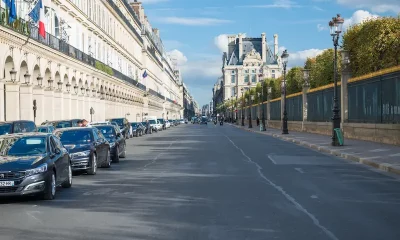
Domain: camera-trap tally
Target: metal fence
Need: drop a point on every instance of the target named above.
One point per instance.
(254, 112)
(275, 110)
(294, 108)
(320, 105)
(375, 100)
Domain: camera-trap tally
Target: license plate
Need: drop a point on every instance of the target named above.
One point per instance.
(6, 183)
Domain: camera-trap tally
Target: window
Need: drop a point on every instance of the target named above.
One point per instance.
(253, 76)
(273, 75)
(246, 76)
(233, 76)
(233, 92)
(273, 71)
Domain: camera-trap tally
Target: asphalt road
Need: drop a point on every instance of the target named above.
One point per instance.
(213, 182)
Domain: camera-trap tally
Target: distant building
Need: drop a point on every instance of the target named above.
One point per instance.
(247, 62)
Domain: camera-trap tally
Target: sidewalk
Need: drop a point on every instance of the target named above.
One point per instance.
(382, 156)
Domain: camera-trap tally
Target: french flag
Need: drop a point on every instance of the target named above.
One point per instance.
(37, 15)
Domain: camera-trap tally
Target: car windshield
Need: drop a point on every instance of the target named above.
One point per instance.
(152, 121)
(75, 137)
(134, 124)
(107, 131)
(161, 120)
(42, 129)
(5, 128)
(63, 124)
(119, 121)
(23, 146)
(144, 123)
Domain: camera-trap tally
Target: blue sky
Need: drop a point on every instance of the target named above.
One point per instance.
(195, 31)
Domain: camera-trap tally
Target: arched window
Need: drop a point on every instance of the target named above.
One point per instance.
(56, 27)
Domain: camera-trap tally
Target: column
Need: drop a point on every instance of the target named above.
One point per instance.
(58, 112)
(67, 105)
(2, 101)
(26, 102)
(38, 95)
(102, 108)
(74, 106)
(12, 101)
(306, 88)
(80, 107)
(48, 104)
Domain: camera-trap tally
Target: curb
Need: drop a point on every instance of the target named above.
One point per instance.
(386, 167)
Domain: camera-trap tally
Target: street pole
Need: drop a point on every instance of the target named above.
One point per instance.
(250, 122)
(263, 114)
(242, 108)
(336, 28)
(284, 57)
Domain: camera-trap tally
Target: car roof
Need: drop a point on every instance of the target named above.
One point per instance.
(104, 125)
(27, 134)
(74, 129)
(16, 121)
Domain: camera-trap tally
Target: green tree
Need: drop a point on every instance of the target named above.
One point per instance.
(294, 80)
(321, 68)
(373, 45)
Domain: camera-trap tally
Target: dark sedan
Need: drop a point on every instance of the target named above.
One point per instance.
(21, 126)
(87, 147)
(33, 163)
(63, 123)
(148, 128)
(116, 140)
(137, 129)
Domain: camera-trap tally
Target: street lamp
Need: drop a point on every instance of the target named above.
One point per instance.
(27, 77)
(263, 114)
(306, 77)
(76, 89)
(40, 80)
(50, 81)
(251, 98)
(91, 114)
(59, 83)
(13, 75)
(83, 90)
(68, 87)
(284, 58)
(242, 108)
(335, 29)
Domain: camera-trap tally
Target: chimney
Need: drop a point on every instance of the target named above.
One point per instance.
(264, 48)
(156, 31)
(240, 47)
(275, 45)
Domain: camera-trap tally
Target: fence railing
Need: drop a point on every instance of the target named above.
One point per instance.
(320, 105)
(275, 111)
(294, 108)
(32, 32)
(154, 93)
(375, 100)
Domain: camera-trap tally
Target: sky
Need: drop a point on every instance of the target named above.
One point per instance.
(195, 32)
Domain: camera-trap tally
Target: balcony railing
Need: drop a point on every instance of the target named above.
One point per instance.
(32, 32)
(153, 53)
(154, 93)
(112, 4)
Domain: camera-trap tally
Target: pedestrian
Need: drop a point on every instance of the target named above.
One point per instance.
(258, 121)
(85, 123)
(79, 123)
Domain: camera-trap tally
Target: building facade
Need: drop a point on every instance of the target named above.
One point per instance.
(247, 62)
(218, 93)
(96, 54)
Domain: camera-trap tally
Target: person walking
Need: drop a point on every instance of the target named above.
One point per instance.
(85, 123)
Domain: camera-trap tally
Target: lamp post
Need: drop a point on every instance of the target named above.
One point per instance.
(27, 77)
(34, 110)
(242, 108)
(39, 80)
(263, 114)
(91, 114)
(284, 58)
(251, 98)
(335, 26)
(13, 75)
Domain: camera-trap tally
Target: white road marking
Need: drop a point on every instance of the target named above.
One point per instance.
(379, 150)
(156, 158)
(299, 170)
(371, 157)
(286, 195)
(395, 155)
(314, 196)
(272, 160)
(30, 214)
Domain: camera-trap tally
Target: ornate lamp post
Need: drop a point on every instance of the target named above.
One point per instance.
(284, 58)
(39, 80)
(13, 75)
(68, 87)
(251, 98)
(91, 114)
(242, 108)
(335, 30)
(27, 77)
(263, 113)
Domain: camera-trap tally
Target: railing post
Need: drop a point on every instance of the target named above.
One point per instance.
(306, 88)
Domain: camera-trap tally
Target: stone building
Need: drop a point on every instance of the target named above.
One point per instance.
(96, 54)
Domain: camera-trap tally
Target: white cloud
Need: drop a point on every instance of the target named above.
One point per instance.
(221, 42)
(299, 58)
(374, 5)
(177, 57)
(358, 17)
(317, 8)
(320, 27)
(173, 44)
(287, 4)
(194, 21)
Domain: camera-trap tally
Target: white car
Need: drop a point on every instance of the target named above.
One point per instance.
(182, 121)
(167, 124)
(100, 123)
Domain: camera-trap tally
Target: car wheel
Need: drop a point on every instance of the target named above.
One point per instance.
(93, 167)
(116, 157)
(108, 160)
(50, 189)
(68, 182)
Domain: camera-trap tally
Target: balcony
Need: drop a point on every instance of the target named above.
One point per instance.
(154, 93)
(31, 31)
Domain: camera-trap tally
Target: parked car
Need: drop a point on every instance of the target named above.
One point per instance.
(167, 124)
(101, 123)
(123, 124)
(29, 163)
(20, 126)
(162, 122)
(186, 121)
(182, 121)
(137, 130)
(63, 123)
(116, 140)
(148, 130)
(46, 129)
(142, 127)
(87, 147)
